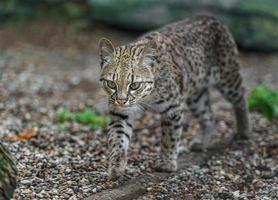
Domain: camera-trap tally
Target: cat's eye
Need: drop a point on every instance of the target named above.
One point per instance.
(135, 86)
(111, 84)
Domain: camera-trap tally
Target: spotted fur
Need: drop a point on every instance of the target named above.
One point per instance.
(170, 71)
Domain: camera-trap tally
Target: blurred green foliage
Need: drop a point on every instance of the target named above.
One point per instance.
(73, 11)
(254, 23)
(264, 101)
(87, 117)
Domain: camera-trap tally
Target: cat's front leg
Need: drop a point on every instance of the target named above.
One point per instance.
(171, 127)
(119, 135)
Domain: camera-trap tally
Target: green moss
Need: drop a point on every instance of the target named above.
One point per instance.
(264, 101)
(86, 117)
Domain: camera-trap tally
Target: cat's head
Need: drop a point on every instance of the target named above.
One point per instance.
(127, 72)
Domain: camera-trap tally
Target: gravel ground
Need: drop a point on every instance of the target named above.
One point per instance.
(38, 75)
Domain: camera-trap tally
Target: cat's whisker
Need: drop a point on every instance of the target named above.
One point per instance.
(141, 107)
(144, 105)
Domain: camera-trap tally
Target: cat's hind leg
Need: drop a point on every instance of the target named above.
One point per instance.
(231, 88)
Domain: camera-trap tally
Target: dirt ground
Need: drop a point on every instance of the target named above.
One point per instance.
(45, 65)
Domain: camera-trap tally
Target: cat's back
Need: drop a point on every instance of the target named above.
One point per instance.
(190, 25)
(201, 31)
(204, 32)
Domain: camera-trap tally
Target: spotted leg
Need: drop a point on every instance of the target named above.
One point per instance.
(119, 134)
(172, 126)
(199, 104)
(231, 88)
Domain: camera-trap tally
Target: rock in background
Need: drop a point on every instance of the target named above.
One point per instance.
(254, 23)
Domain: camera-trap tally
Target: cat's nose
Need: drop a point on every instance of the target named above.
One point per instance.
(120, 102)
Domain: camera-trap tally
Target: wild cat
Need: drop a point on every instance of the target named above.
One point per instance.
(170, 71)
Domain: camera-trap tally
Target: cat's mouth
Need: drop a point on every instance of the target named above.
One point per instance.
(122, 106)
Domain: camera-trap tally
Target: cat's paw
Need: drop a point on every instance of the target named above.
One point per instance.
(203, 143)
(166, 165)
(115, 172)
(243, 134)
(197, 144)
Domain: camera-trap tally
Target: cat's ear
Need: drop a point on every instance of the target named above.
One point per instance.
(106, 50)
(149, 53)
